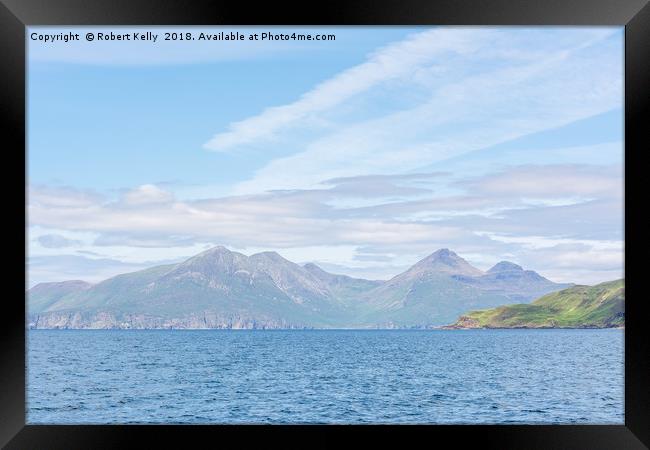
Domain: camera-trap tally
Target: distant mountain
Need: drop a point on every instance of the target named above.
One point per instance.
(600, 306)
(215, 289)
(434, 290)
(220, 288)
(444, 261)
(512, 281)
(343, 287)
(44, 295)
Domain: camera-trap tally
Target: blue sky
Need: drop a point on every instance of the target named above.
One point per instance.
(362, 155)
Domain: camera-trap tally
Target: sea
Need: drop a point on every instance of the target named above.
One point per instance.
(550, 376)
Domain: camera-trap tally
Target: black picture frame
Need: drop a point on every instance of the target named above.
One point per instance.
(16, 15)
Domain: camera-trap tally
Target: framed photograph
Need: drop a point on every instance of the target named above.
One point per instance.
(367, 217)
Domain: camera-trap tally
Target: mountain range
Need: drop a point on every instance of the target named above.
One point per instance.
(219, 288)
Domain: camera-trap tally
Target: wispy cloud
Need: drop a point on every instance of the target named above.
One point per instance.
(147, 194)
(466, 108)
(394, 61)
(553, 180)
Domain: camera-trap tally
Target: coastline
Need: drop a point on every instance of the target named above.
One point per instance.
(432, 328)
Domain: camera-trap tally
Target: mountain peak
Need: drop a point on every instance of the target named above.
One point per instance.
(213, 251)
(505, 266)
(443, 253)
(447, 262)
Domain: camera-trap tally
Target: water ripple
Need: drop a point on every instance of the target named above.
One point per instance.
(223, 376)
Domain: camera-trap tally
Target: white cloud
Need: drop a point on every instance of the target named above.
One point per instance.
(545, 242)
(459, 113)
(147, 194)
(148, 224)
(553, 181)
(394, 61)
(263, 220)
(63, 197)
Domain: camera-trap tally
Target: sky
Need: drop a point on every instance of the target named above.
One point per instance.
(362, 155)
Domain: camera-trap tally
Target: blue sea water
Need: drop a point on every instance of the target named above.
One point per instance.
(325, 376)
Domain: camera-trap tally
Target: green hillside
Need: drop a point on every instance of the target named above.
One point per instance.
(600, 306)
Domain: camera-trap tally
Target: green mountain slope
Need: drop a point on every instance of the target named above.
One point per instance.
(441, 286)
(44, 295)
(600, 306)
(428, 300)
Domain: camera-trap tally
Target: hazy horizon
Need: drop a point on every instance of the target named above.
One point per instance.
(332, 268)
